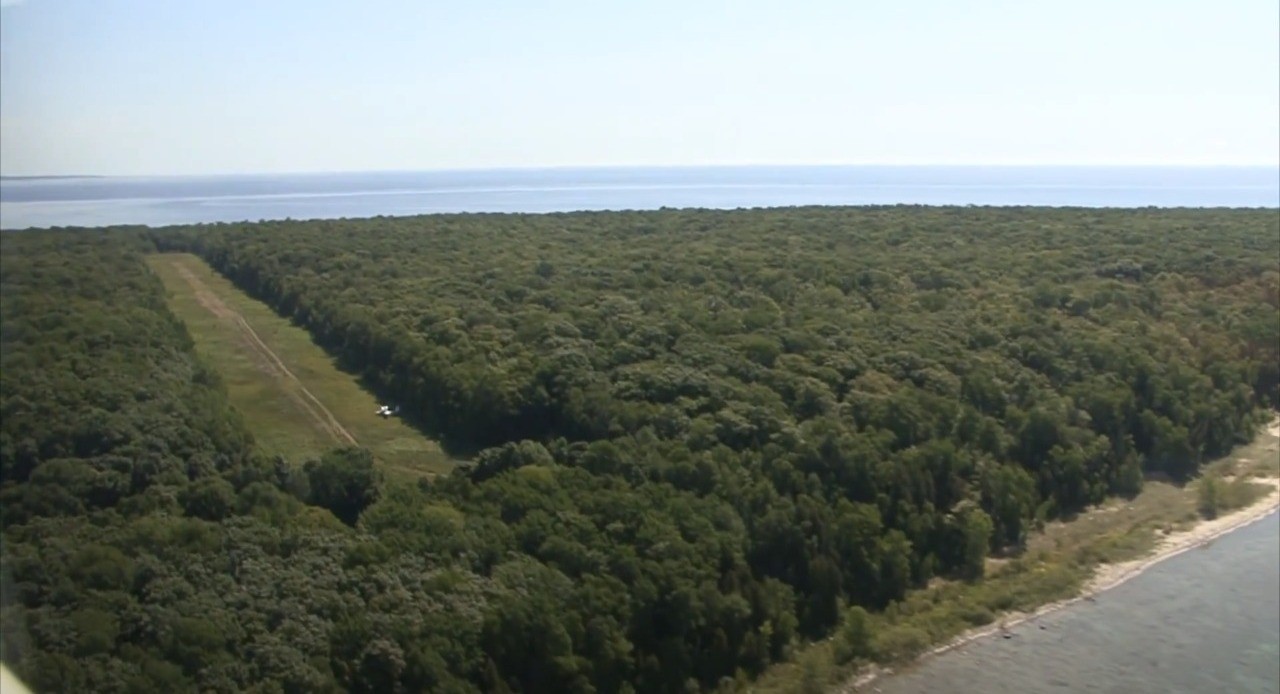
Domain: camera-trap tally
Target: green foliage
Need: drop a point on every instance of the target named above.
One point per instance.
(1209, 497)
(1215, 496)
(343, 481)
(698, 438)
(855, 638)
(976, 528)
(901, 643)
(210, 498)
(1009, 491)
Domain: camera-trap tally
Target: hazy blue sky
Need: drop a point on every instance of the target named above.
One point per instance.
(177, 86)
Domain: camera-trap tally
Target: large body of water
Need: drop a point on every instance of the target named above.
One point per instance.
(1205, 621)
(155, 201)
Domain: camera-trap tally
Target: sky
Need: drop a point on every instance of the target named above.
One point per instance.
(152, 87)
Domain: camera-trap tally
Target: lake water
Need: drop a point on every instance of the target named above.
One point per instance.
(1205, 621)
(192, 199)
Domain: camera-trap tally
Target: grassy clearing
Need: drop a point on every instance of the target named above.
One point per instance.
(1055, 566)
(294, 398)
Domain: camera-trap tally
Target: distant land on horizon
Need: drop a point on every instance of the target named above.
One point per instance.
(52, 177)
(43, 202)
(643, 167)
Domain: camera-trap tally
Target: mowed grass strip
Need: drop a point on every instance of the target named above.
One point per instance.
(294, 398)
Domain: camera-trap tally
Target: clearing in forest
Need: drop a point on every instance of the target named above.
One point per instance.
(294, 398)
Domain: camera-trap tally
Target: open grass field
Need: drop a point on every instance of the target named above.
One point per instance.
(293, 396)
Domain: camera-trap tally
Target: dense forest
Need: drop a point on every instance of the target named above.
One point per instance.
(699, 437)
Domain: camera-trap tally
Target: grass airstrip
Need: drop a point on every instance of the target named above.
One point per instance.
(292, 395)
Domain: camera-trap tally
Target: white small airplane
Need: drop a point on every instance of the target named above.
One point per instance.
(387, 411)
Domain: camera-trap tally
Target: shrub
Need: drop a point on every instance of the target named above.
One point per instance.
(855, 637)
(900, 643)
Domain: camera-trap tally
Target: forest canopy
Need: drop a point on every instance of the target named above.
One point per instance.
(698, 436)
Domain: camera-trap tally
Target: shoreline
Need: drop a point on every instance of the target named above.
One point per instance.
(1104, 577)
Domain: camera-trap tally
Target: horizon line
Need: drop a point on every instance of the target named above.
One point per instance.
(598, 167)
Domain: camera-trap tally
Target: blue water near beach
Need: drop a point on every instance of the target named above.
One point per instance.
(156, 201)
(1205, 621)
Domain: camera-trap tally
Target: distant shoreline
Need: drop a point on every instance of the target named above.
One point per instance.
(621, 168)
(41, 202)
(50, 178)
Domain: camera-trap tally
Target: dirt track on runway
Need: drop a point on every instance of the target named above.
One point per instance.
(263, 357)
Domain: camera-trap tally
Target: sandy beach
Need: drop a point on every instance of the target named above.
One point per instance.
(1108, 576)
(1111, 575)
